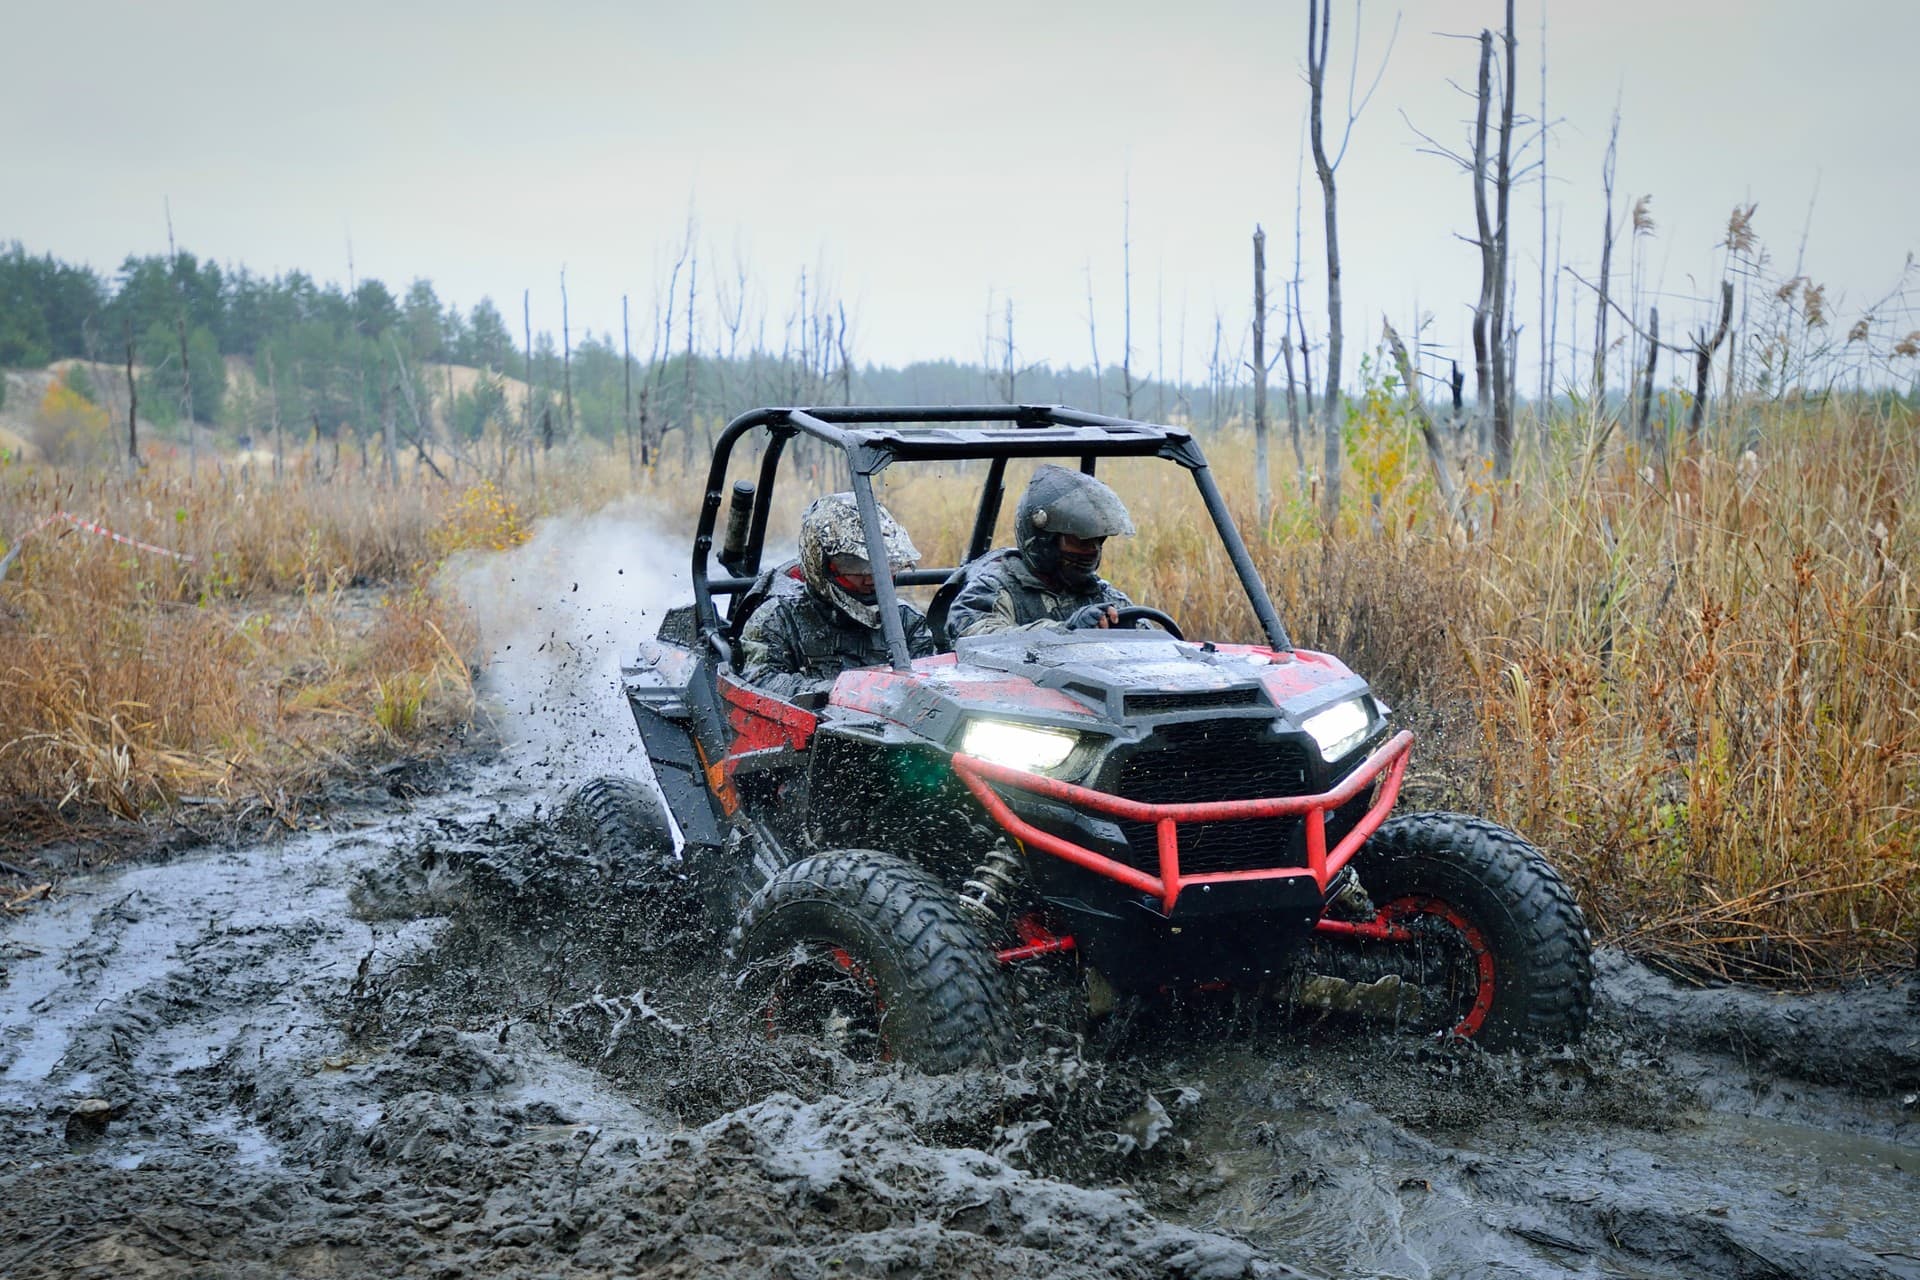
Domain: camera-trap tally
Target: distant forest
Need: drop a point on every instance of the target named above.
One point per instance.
(331, 358)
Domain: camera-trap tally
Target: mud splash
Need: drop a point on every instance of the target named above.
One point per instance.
(388, 1051)
(291, 1092)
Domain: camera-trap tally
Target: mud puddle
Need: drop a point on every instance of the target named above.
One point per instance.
(371, 1052)
(289, 1087)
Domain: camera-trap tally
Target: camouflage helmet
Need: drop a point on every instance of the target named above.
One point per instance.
(830, 529)
(1059, 501)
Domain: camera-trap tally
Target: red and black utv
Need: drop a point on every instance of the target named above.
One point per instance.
(1146, 812)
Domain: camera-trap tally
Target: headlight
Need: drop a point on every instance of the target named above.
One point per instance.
(1017, 746)
(1340, 728)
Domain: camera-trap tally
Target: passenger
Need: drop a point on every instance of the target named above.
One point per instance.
(799, 640)
(1050, 581)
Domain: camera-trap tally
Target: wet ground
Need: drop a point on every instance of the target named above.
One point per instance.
(382, 1049)
(392, 1046)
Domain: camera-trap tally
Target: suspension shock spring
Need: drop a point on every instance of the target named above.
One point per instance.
(985, 893)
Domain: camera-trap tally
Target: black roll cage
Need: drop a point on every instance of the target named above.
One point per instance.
(874, 437)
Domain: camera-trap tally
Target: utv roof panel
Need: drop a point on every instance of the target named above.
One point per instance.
(875, 436)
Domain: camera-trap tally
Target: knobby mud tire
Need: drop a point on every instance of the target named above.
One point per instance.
(622, 822)
(1504, 886)
(943, 1001)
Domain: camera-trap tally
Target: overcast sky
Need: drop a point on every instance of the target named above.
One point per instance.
(930, 157)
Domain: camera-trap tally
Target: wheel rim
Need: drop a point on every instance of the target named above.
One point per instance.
(1452, 957)
(823, 994)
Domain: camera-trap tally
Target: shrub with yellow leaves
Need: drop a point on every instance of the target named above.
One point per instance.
(484, 519)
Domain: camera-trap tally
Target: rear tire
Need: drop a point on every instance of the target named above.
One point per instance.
(1482, 891)
(865, 947)
(622, 823)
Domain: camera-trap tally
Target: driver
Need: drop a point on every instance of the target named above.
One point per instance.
(802, 637)
(1051, 580)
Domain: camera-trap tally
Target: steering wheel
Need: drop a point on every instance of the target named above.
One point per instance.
(1134, 614)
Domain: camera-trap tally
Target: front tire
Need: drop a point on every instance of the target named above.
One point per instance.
(1503, 946)
(866, 950)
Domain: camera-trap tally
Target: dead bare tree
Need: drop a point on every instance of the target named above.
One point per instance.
(1306, 361)
(1182, 401)
(1294, 309)
(1319, 31)
(1489, 166)
(566, 352)
(626, 375)
(1262, 484)
(526, 320)
(1503, 191)
(1483, 307)
(273, 410)
(1093, 341)
(1294, 318)
(846, 358)
(1553, 336)
(651, 436)
(731, 305)
(693, 291)
(1293, 406)
(390, 455)
(1704, 348)
(404, 384)
(1126, 282)
(1429, 433)
(1643, 413)
(1011, 370)
(1160, 347)
(1606, 266)
(133, 406)
(1546, 363)
(1216, 378)
(186, 366)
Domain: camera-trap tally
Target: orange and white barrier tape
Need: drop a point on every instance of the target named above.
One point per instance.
(91, 527)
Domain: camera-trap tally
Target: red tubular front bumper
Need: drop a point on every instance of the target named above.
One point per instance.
(1322, 864)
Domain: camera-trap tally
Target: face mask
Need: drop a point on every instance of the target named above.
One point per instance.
(846, 584)
(1079, 567)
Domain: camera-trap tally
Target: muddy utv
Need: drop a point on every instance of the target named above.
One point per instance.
(1146, 813)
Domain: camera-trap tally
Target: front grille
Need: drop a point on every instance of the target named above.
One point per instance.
(1209, 760)
(1153, 704)
(1201, 760)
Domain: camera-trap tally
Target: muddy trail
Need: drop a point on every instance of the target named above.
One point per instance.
(397, 1049)
(421, 1041)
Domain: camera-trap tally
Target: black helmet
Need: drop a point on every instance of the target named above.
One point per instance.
(1057, 501)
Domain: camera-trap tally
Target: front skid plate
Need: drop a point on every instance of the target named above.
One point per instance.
(1139, 949)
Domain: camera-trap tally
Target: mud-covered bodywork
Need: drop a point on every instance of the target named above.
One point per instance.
(1176, 813)
(1156, 724)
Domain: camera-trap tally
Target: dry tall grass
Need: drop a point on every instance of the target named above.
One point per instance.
(1695, 683)
(299, 636)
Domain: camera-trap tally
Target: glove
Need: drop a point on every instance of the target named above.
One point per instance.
(1087, 617)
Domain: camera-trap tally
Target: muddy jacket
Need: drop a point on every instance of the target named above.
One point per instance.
(1002, 594)
(795, 643)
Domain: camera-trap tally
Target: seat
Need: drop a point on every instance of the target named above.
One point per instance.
(942, 602)
(765, 584)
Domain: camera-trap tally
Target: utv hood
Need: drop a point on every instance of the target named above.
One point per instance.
(1101, 681)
